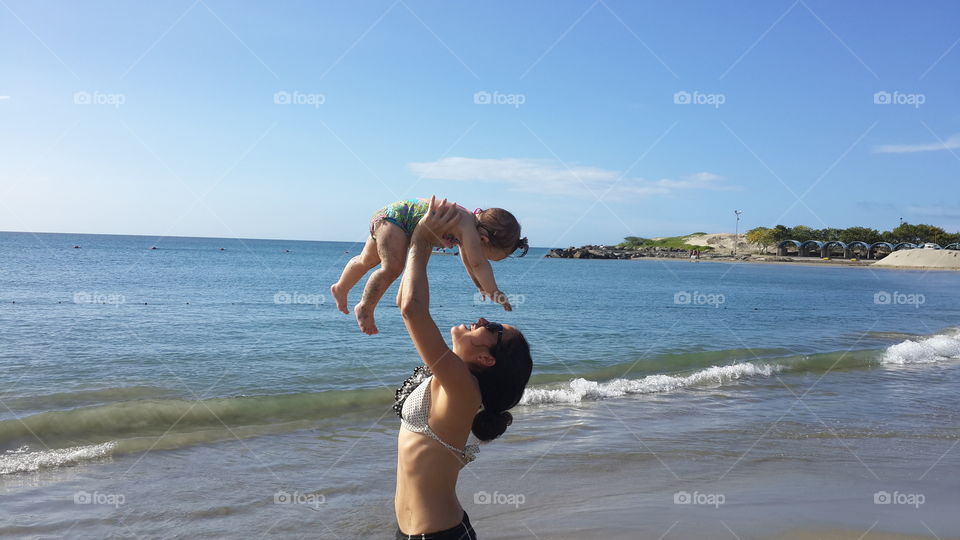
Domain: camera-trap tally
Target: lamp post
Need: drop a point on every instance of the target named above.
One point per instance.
(736, 235)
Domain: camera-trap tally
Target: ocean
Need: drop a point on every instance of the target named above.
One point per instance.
(210, 388)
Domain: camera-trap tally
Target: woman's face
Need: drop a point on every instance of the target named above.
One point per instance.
(472, 342)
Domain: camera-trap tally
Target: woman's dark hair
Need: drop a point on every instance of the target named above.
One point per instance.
(503, 230)
(501, 386)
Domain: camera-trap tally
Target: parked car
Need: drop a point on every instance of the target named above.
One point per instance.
(930, 246)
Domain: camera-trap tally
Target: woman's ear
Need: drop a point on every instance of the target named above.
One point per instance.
(486, 359)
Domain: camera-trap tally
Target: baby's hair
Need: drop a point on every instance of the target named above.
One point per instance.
(503, 230)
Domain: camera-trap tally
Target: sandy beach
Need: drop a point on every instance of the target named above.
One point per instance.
(915, 259)
(933, 259)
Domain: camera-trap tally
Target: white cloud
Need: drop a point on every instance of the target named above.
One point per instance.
(952, 143)
(551, 177)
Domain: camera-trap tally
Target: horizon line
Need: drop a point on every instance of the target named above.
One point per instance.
(206, 237)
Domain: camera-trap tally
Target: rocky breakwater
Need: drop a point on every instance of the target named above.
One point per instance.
(614, 252)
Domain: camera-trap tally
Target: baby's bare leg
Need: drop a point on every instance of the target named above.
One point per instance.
(353, 271)
(392, 245)
(400, 290)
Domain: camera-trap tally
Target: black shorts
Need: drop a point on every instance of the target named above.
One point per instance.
(461, 531)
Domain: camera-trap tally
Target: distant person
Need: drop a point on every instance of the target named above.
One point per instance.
(482, 235)
(458, 392)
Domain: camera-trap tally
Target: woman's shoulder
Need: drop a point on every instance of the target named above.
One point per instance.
(464, 395)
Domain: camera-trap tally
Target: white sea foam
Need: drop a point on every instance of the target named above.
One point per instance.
(580, 389)
(924, 351)
(25, 460)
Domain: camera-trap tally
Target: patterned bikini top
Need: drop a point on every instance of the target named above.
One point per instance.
(412, 405)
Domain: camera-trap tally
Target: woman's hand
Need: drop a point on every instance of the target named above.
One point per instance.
(441, 218)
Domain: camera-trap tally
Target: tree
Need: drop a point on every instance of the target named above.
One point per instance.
(829, 234)
(861, 234)
(633, 242)
(762, 237)
(802, 233)
(908, 232)
(781, 233)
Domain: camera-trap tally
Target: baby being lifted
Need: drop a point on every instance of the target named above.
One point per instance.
(482, 236)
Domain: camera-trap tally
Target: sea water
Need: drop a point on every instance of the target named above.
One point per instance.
(194, 388)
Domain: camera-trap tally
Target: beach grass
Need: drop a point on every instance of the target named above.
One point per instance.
(670, 242)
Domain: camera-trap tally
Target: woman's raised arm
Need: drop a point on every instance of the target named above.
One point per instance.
(415, 305)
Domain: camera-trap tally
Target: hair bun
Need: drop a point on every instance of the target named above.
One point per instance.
(524, 245)
(488, 425)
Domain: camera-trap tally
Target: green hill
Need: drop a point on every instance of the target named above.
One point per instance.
(675, 242)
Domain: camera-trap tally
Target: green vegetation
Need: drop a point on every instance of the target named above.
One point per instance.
(764, 237)
(675, 242)
(761, 237)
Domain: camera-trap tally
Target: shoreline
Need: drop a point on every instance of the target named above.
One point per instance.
(794, 262)
(774, 260)
(907, 259)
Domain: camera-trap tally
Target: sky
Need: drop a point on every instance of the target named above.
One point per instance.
(589, 120)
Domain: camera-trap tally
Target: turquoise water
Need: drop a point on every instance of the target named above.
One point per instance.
(112, 349)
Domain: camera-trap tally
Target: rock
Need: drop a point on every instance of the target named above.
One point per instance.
(615, 252)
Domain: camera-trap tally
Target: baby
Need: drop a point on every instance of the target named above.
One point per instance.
(482, 236)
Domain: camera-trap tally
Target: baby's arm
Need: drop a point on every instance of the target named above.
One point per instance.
(476, 263)
(465, 259)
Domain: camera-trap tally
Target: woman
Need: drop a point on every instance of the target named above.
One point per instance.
(468, 388)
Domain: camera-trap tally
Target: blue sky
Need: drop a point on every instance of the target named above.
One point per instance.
(589, 120)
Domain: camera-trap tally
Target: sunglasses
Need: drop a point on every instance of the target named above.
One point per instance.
(495, 327)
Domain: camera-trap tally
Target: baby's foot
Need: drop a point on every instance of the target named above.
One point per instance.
(341, 297)
(365, 319)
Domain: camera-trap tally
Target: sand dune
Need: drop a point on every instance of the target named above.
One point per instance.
(922, 258)
(721, 242)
